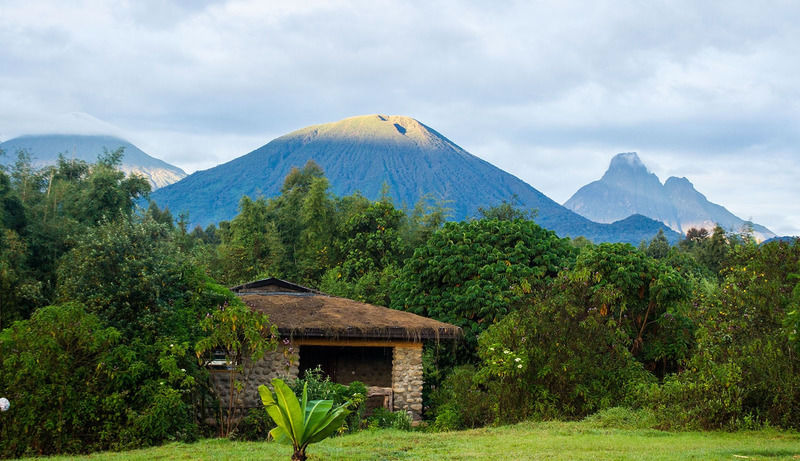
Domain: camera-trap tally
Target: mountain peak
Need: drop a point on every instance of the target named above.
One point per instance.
(627, 160)
(628, 187)
(366, 152)
(678, 183)
(45, 148)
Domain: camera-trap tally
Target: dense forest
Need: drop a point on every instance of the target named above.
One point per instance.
(109, 306)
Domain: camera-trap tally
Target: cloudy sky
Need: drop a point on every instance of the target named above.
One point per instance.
(548, 91)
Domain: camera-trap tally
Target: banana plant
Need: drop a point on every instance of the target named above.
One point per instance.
(300, 422)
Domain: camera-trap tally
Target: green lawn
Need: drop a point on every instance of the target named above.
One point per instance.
(550, 440)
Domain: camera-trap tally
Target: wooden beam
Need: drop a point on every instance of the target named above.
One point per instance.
(355, 343)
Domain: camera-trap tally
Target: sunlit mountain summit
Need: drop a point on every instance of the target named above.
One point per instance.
(362, 154)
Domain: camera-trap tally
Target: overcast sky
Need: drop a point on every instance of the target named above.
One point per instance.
(548, 91)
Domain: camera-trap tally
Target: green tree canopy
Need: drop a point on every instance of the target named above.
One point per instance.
(466, 272)
(648, 299)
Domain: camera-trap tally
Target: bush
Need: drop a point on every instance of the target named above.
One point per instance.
(557, 357)
(255, 426)
(746, 372)
(705, 398)
(384, 419)
(320, 387)
(459, 402)
(54, 371)
(167, 417)
(447, 419)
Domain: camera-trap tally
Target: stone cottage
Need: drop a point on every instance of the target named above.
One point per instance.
(348, 340)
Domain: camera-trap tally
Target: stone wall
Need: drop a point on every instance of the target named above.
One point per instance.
(280, 363)
(407, 380)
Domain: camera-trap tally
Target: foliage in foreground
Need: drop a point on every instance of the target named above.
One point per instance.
(320, 387)
(302, 422)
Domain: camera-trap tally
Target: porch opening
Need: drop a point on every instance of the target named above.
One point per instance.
(345, 364)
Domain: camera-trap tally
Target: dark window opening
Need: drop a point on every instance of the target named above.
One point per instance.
(370, 365)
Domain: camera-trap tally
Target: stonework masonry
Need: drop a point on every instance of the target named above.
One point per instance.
(284, 362)
(407, 380)
(281, 363)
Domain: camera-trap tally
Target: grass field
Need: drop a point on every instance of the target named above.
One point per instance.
(549, 440)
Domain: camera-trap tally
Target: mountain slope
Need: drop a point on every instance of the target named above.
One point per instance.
(627, 188)
(361, 154)
(44, 150)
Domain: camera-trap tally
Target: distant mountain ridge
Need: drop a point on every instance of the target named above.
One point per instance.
(628, 187)
(44, 150)
(361, 154)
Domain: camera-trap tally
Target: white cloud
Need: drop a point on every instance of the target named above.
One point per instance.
(546, 90)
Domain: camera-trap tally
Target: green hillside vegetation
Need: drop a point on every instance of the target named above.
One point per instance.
(108, 314)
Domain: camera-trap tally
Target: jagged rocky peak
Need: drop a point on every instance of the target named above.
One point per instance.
(674, 182)
(628, 187)
(627, 160)
(627, 167)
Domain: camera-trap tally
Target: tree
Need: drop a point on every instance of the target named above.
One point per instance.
(694, 239)
(371, 249)
(714, 250)
(466, 272)
(287, 212)
(251, 246)
(60, 202)
(127, 272)
(659, 246)
(648, 299)
(243, 336)
(506, 211)
(313, 255)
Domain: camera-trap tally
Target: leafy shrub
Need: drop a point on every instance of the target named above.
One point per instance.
(320, 387)
(447, 419)
(167, 417)
(54, 371)
(746, 372)
(255, 426)
(384, 419)
(459, 402)
(558, 356)
(710, 397)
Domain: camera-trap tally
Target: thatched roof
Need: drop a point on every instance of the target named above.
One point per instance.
(311, 314)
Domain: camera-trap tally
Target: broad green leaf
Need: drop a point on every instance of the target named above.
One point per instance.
(279, 434)
(273, 410)
(287, 401)
(316, 412)
(304, 402)
(330, 424)
(266, 395)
